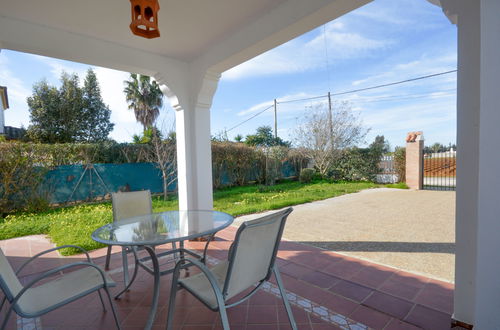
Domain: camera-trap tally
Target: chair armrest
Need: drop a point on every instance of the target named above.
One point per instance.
(50, 250)
(57, 270)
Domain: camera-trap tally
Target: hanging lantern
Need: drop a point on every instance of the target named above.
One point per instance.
(145, 18)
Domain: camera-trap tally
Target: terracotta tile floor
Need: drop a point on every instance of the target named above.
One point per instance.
(327, 291)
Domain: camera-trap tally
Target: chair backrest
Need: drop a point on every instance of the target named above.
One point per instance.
(8, 280)
(131, 204)
(254, 251)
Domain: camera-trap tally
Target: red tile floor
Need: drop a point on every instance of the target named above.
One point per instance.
(327, 291)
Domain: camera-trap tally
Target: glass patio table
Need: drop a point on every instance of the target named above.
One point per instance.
(155, 229)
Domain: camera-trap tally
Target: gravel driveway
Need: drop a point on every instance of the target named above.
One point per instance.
(406, 229)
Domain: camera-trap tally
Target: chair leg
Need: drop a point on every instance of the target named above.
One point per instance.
(223, 317)
(112, 306)
(174, 247)
(3, 302)
(108, 256)
(284, 297)
(7, 315)
(171, 301)
(102, 301)
(125, 266)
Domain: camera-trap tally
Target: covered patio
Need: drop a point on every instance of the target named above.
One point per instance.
(327, 291)
(199, 41)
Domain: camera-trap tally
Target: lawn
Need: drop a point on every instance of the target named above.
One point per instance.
(74, 224)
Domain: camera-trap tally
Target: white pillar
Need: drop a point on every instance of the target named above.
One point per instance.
(477, 280)
(487, 311)
(467, 163)
(194, 153)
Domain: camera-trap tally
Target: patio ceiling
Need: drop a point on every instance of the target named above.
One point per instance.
(187, 27)
(208, 33)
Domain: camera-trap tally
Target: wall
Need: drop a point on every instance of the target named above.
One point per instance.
(2, 120)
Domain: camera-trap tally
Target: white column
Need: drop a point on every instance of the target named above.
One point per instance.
(487, 311)
(477, 280)
(194, 153)
(467, 162)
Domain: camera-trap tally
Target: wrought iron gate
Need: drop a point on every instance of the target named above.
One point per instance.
(440, 170)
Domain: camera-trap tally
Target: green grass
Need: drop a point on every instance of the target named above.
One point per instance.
(74, 224)
(400, 185)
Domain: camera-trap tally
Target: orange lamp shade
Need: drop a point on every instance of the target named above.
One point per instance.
(145, 18)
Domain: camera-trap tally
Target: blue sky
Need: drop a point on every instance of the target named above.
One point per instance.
(382, 42)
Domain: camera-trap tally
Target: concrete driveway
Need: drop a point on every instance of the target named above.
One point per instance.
(410, 230)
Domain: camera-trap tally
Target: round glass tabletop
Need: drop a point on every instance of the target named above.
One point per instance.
(161, 228)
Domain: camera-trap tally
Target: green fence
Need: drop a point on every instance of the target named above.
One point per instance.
(71, 183)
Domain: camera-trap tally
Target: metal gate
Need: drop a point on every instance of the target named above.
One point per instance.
(440, 170)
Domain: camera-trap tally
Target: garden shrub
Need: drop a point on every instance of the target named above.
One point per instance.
(20, 178)
(400, 163)
(235, 163)
(306, 175)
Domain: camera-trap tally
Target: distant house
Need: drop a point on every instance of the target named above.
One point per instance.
(4, 105)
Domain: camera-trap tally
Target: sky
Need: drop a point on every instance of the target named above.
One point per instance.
(383, 42)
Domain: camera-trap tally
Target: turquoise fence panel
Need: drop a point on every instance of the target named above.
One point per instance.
(71, 183)
(288, 170)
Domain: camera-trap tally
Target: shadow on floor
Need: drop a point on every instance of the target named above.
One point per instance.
(371, 246)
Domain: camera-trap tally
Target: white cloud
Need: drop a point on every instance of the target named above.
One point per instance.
(283, 105)
(17, 115)
(16, 88)
(111, 83)
(416, 68)
(299, 56)
(60, 66)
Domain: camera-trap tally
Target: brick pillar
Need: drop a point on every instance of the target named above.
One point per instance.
(414, 160)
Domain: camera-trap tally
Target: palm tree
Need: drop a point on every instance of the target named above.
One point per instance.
(144, 96)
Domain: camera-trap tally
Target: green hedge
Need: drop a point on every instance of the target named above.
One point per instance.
(23, 166)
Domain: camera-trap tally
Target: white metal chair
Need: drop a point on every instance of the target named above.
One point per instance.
(251, 261)
(127, 205)
(34, 300)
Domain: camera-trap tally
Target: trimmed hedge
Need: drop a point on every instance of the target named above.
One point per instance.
(23, 166)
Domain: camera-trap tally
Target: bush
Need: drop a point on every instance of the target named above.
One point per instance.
(306, 175)
(21, 177)
(400, 163)
(234, 163)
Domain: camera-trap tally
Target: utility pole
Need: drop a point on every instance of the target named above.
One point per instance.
(330, 118)
(275, 120)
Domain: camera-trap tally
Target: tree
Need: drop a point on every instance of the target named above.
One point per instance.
(323, 140)
(146, 137)
(45, 114)
(380, 145)
(97, 114)
(163, 152)
(238, 138)
(144, 96)
(70, 113)
(264, 138)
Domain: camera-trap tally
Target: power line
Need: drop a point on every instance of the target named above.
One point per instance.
(304, 99)
(258, 113)
(372, 87)
(344, 93)
(394, 83)
(435, 94)
(326, 55)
